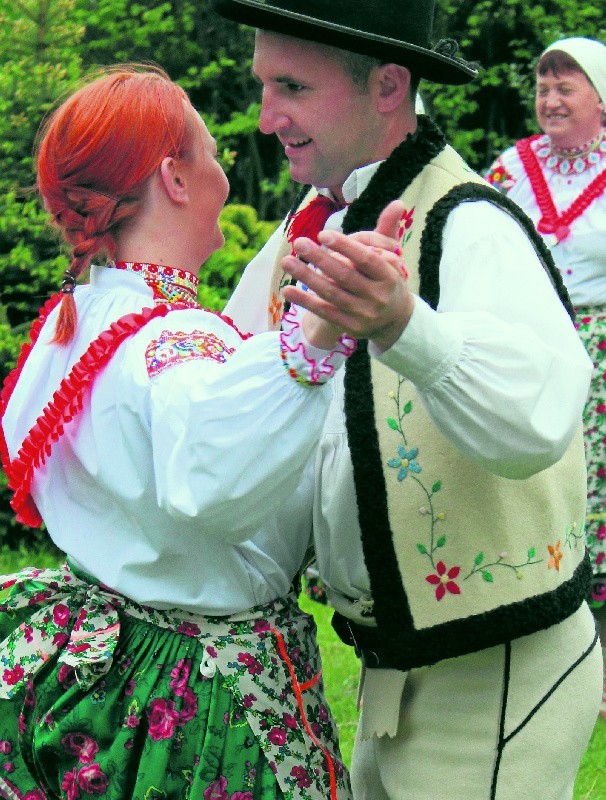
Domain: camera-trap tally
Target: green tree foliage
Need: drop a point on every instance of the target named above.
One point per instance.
(211, 58)
(505, 37)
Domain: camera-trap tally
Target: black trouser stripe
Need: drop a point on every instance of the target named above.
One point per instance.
(503, 740)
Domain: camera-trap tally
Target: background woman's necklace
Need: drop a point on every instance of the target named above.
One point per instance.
(574, 159)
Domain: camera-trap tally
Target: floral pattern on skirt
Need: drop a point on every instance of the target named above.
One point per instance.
(100, 696)
(591, 325)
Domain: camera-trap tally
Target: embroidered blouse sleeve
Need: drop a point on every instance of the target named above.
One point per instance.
(231, 431)
(499, 366)
(502, 173)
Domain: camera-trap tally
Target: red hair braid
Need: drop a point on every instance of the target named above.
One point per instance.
(95, 154)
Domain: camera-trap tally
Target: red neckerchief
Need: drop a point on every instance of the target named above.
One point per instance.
(551, 221)
(310, 220)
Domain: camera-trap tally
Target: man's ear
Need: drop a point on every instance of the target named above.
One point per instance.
(392, 83)
(173, 181)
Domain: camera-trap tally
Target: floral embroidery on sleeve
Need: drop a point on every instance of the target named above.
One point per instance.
(499, 177)
(176, 347)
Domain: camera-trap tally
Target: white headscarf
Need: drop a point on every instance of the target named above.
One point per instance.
(590, 55)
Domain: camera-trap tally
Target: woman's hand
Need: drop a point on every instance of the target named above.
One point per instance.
(360, 288)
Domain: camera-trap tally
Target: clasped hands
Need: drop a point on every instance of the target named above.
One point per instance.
(359, 287)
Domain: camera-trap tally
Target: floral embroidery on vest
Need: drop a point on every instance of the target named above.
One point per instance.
(176, 347)
(408, 463)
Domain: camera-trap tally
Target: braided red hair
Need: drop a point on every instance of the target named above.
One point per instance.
(96, 152)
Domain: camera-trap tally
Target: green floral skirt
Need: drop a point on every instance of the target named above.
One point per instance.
(106, 698)
(591, 325)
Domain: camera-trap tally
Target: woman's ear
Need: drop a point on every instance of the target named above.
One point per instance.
(173, 181)
(392, 83)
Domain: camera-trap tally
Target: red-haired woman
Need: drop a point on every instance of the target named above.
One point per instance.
(169, 457)
(559, 179)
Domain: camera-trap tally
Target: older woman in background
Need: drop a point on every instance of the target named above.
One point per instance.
(559, 179)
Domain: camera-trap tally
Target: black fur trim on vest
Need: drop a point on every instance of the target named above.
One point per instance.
(431, 240)
(395, 642)
(395, 175)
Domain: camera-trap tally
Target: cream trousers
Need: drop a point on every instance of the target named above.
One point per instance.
(508, 723)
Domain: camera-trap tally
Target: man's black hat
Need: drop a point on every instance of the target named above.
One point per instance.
(394, 31)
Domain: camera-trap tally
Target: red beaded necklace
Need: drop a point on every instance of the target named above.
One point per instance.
(551, 221)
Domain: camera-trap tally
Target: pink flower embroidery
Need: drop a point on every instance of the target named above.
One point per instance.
(162, 718)
(302, 777)
(601, 532)
(242, 796)
(66, 676)
(5, 747)
(254, 666)
(289, 721)
(260, 626)
(248, 700)
(180, 676)
(189, 707)
(92, 779)
(61, 615)
(81, 746)
(70, 785)
(277, 736)
(59, 639)
(444, 580)
(217, 790)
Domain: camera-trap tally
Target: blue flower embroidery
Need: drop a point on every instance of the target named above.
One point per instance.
(405, 462)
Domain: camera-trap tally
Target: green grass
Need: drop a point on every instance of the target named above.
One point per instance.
(341, 682)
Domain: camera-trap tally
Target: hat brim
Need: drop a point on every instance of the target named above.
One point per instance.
(426, 63)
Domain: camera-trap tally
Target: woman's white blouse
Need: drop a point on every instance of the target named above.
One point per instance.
(581, 257)
(184, 481)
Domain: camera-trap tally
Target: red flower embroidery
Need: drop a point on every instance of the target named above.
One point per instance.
(13, 676)
(254, 666)
(302, 777)
(188, 629)
(444, 580)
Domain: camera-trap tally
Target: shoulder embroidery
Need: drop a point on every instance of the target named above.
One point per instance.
(177, 347)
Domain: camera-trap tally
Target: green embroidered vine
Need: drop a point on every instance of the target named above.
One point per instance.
(409, 468)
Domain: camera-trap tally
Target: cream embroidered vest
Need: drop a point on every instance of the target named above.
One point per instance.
(459, 558)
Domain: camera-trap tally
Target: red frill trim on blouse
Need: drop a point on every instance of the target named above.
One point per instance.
(551, 221)
(230, 322)
(66, 403)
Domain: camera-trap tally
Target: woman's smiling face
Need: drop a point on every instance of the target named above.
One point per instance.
(568, 108)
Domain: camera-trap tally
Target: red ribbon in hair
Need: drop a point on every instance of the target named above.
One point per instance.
(310, 220)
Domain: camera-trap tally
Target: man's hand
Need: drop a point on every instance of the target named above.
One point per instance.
(361, 286)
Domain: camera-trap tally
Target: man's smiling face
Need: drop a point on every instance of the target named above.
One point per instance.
(327, 124)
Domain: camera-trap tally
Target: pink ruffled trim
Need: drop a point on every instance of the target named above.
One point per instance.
(66, 403)
(319, 371)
